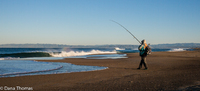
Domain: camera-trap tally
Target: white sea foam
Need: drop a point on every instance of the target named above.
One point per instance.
(117, 48)
(80, 53)
(135, 48)
(177, 49)
(9, 58)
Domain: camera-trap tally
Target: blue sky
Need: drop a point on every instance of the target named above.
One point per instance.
(87, 22)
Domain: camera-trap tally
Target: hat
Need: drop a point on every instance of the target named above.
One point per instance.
(143, 41)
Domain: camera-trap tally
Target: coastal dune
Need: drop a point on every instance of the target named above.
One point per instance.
(167, 71)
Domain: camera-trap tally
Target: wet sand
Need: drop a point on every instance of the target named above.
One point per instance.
(167, 71)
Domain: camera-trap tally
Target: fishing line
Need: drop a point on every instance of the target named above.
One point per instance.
(126, 30)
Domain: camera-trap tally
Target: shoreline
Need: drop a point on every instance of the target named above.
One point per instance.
(167, 71)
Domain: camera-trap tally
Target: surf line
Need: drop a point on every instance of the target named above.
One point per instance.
(126, 30)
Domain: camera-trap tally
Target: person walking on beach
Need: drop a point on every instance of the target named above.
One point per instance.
(143, 54)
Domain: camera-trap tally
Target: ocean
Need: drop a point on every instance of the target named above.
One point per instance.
(21, 61)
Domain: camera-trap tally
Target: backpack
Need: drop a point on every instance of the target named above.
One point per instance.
(145, 51)
(148, 50)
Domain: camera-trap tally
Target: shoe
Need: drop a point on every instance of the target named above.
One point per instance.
(146, 69)
(138, 68)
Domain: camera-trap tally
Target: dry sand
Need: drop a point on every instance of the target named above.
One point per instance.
(167, 71)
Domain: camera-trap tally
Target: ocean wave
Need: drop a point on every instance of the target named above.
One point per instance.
(52, 54)
(76, 52)
(27, 50)
(177, 49)
(25, 54)
(117, 48)
(80, 53)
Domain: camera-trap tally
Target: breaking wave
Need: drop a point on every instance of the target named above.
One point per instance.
(177, 49)
(52, 54)
(117, 48)
(80, 53)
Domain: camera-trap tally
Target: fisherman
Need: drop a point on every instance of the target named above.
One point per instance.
(143, 48)
(143, 54)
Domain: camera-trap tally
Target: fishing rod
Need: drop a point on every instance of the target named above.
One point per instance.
(126, 30)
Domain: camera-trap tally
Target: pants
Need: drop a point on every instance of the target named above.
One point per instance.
(143, 61)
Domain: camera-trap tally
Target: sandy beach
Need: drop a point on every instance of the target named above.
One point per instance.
(167, 71)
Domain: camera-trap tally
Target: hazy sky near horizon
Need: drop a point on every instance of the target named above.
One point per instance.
(87, 22)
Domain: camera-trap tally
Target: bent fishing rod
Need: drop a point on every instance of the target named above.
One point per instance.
(126, 30)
